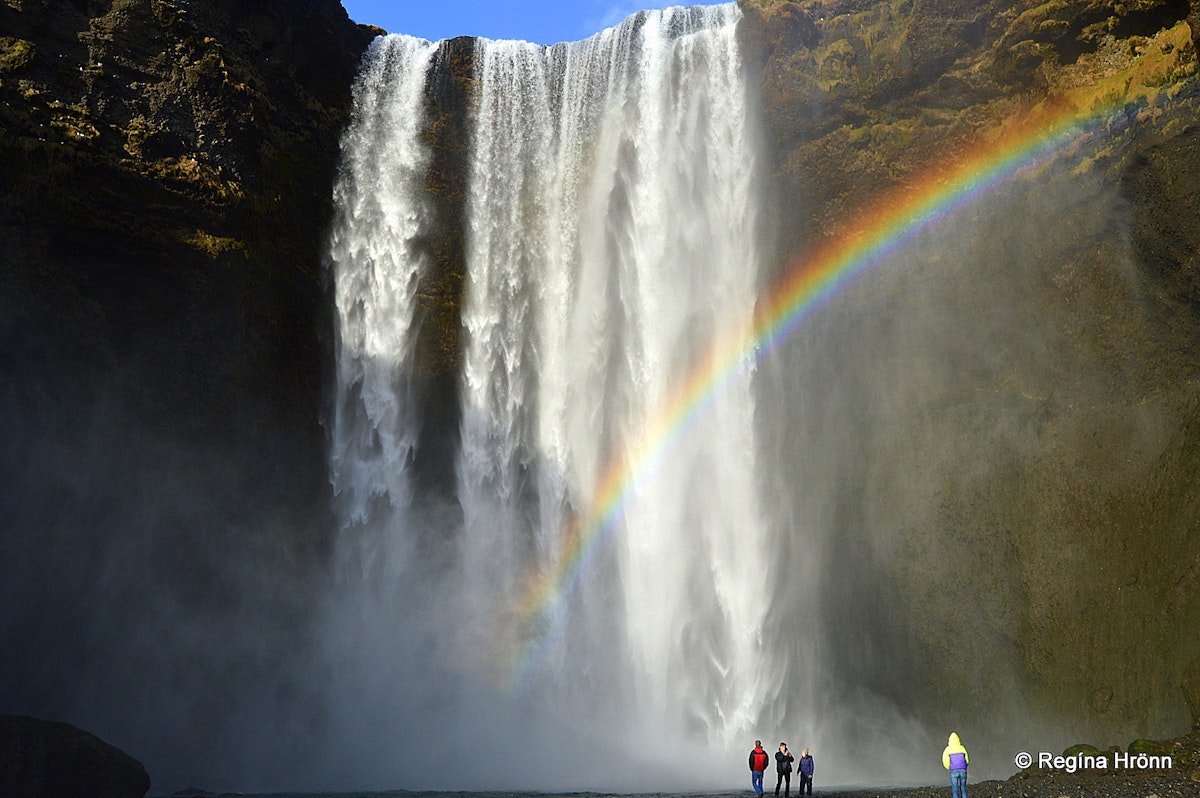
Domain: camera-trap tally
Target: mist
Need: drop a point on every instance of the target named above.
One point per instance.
(905, 418)
(154, 589)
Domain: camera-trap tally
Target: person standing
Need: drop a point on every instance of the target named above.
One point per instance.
(783, 770)
(955, 759)
(806, 772)
(758, 763)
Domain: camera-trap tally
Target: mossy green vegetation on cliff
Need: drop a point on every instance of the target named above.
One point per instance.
(877, 91)
(194, 142)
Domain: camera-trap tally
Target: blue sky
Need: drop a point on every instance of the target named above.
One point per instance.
(540, 21)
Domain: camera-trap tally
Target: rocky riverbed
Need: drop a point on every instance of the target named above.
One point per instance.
(1059, 785)
(1085, 772)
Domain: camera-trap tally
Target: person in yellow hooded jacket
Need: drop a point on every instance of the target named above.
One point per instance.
(955, 759)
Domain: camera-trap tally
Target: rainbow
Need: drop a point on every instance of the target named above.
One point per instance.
(880, 229)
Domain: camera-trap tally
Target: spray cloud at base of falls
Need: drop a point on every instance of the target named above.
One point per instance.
(612, 230)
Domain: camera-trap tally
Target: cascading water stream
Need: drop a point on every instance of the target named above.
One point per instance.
(376, 268)
(612, 237)
(612, 229)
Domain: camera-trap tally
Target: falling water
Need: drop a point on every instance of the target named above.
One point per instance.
(611, 236)
(382, 214)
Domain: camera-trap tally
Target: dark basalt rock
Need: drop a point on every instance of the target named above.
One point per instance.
(45, 759)
(165, 185)
(166, 173)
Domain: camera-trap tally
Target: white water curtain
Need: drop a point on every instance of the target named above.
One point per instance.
(611, 231)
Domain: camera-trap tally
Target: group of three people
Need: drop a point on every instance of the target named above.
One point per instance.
(783, 767)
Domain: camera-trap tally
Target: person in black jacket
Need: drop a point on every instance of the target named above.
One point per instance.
(783, 767)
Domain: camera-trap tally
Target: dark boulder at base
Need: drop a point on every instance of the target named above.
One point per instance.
(45, 759)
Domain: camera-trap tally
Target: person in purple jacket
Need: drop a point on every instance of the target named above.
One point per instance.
(806, 772)
(955, 759)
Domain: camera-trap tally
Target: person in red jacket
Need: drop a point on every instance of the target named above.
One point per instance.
(758, 763)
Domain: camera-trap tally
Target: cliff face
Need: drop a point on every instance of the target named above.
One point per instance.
(892, 87)
(1010, 421)
(178, 157)
(165, 185)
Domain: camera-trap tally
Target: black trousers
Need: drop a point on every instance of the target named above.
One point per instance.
(805, 782)
(785, 779)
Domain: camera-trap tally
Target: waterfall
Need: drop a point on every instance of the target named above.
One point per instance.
(376, 268)
(611, 238)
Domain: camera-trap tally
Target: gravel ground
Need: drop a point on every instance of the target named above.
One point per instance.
(1125, 784)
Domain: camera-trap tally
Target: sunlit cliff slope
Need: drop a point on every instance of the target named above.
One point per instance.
(1014, 408)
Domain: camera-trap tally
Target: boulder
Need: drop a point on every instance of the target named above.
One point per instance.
(1082, 749)
(46, 759)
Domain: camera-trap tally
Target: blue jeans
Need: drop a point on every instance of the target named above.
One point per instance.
(756, 780)
(958, 784)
